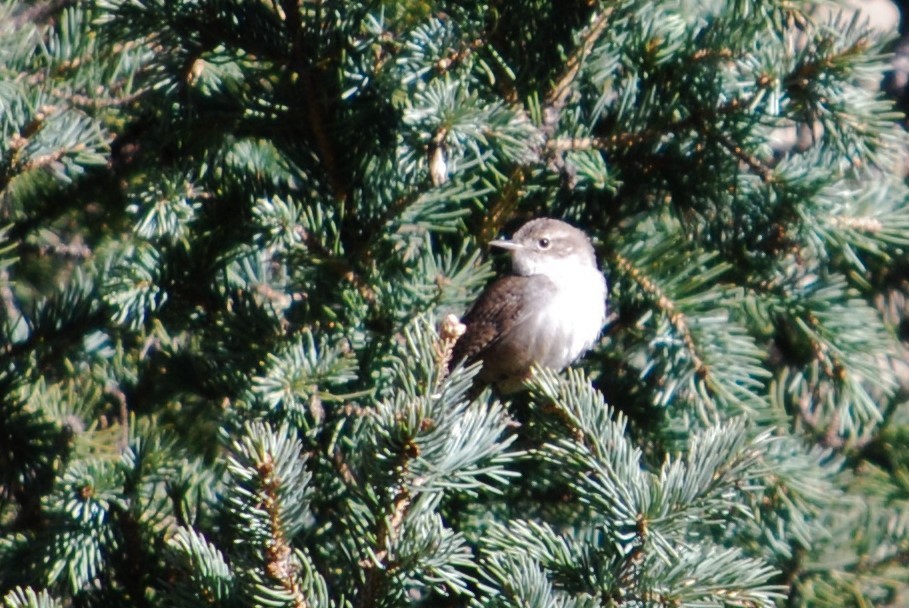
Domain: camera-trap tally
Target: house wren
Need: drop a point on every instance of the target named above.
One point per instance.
(548, 312)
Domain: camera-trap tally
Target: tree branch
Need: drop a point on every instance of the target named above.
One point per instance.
(560, 91)
(313, 107)
(279, 564)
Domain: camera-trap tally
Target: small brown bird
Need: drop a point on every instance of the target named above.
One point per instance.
(547, 313)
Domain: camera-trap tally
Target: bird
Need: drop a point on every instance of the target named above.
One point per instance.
(547, 312)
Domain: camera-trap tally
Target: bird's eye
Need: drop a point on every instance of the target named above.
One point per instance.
(543, 243)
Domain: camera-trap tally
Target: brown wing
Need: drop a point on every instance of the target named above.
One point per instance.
(496, 310)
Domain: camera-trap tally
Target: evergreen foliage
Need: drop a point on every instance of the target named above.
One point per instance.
(230, 229)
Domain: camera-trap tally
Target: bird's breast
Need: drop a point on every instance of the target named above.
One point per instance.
(569, 321)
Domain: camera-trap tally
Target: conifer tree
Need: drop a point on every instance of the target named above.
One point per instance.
(231, 232)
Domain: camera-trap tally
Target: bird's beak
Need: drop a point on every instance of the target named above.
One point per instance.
(506, 244)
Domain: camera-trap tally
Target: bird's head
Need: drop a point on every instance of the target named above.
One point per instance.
(547, 246)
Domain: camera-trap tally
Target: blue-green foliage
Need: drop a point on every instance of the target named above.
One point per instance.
(230, 232)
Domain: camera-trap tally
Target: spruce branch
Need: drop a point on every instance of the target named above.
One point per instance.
(205, 566)
(710, 359)
(314, 108)
(450, 330)
(364, 249)
(8, 299)
(762, 169)
(133, 569)
(862, 224)
(71, 331)
(278, 553)
(54, 245)
(86, 102)
(558, 95)
(123, 412)
(378, 566)
(699, 119)
(504, 206)
(39, 12)
(430, 441)
(848, 373)
(271, 501)
(664, 304)
(27, 597)
(636, 540)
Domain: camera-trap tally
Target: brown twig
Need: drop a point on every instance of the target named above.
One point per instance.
(697, 121)
(122, 413)
(504, 206)
(96, 103)
(676, 317)
(280, 564)
(560, 91)
(753, 163)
